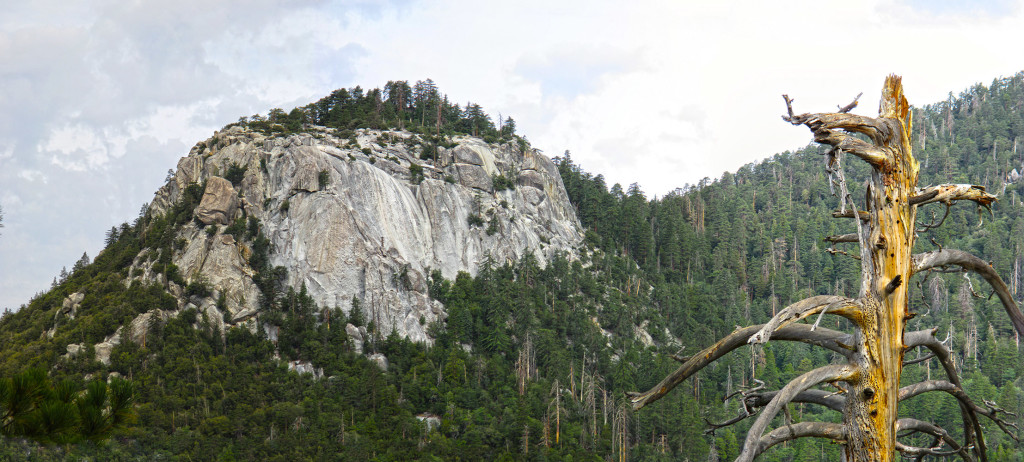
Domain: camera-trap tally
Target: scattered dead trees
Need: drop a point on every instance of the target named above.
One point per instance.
(865, 385)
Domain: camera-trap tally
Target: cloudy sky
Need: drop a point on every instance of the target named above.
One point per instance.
(98, 99)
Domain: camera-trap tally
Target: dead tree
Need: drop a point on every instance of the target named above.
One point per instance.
(867, 382)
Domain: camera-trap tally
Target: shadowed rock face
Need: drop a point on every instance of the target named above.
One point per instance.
(371, 230)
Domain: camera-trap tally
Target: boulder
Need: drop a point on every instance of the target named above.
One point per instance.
(104, 348)
(380, 360)
(356, 336)
(68, 309)
(219, 202)
(432, 421)
(474, 176)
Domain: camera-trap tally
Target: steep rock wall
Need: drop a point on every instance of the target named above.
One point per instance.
(376, 227)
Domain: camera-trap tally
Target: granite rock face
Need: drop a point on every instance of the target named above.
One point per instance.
(219, 202)
(347, 224)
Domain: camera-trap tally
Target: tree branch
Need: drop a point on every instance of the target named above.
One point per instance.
(935, 224)
(832, 431)
(842, 306)
(922, 359)
(852, 237)
(864, 216)
(826, 126)
(852, 105)
(825, 338)
(918, 451)
(940, 433)
(830, 400)
(947, 193)
(992, 412)
(972, 425)
(830, 373)
(947, 257)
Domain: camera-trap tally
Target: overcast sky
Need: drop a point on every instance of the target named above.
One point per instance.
(99, 99)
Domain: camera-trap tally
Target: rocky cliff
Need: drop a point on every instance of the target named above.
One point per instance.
(360, 214)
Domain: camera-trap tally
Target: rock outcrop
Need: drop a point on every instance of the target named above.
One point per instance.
(219, 202)
(365, 217)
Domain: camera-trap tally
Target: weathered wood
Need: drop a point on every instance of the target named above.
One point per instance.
(969, 262)
(920, 426)
(836, 341)
(947, 193)
(831, 400)
(831, 431)
(831, 373)
(842, 306)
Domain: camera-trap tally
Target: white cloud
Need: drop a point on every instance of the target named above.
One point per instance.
(32, 176)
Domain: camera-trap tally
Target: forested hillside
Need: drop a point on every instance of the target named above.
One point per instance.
(532, 363)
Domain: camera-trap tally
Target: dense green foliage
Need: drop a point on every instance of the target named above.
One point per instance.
(420, 108)
(532, 363)
(33, 407)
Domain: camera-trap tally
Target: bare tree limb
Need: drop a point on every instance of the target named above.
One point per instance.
(935, 224)
(821, 397)
(745, 409)
(992, 412)
(972, 425)
(832, 431)
(826, 126)
(939, 433)
(918, 360)
(835, 251)
(841, 306)
(825, 338)
(864, 216)
(919, 451)
(852, 237)
(967, 261)
(947, 193)
(830, 373)
(876, 129)
(852, 105)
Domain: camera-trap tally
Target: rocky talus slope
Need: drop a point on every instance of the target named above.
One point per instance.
(362, 216)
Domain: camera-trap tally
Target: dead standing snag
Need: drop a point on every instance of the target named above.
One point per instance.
(885, 224)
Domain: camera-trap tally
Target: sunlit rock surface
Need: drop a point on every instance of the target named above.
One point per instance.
(359, 220)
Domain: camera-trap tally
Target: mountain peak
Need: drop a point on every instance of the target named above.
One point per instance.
(364, 214)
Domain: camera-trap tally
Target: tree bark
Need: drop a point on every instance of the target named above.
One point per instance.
(870, 417)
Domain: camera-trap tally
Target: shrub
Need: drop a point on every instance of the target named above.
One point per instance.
(235, 174)
(415, 173)
(237, 229)
(501, 183)
(474, 219)
(323, 178)
(285, 206)
(198, 287)
(174, 275)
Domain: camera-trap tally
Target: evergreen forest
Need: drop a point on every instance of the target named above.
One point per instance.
(533, 362)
